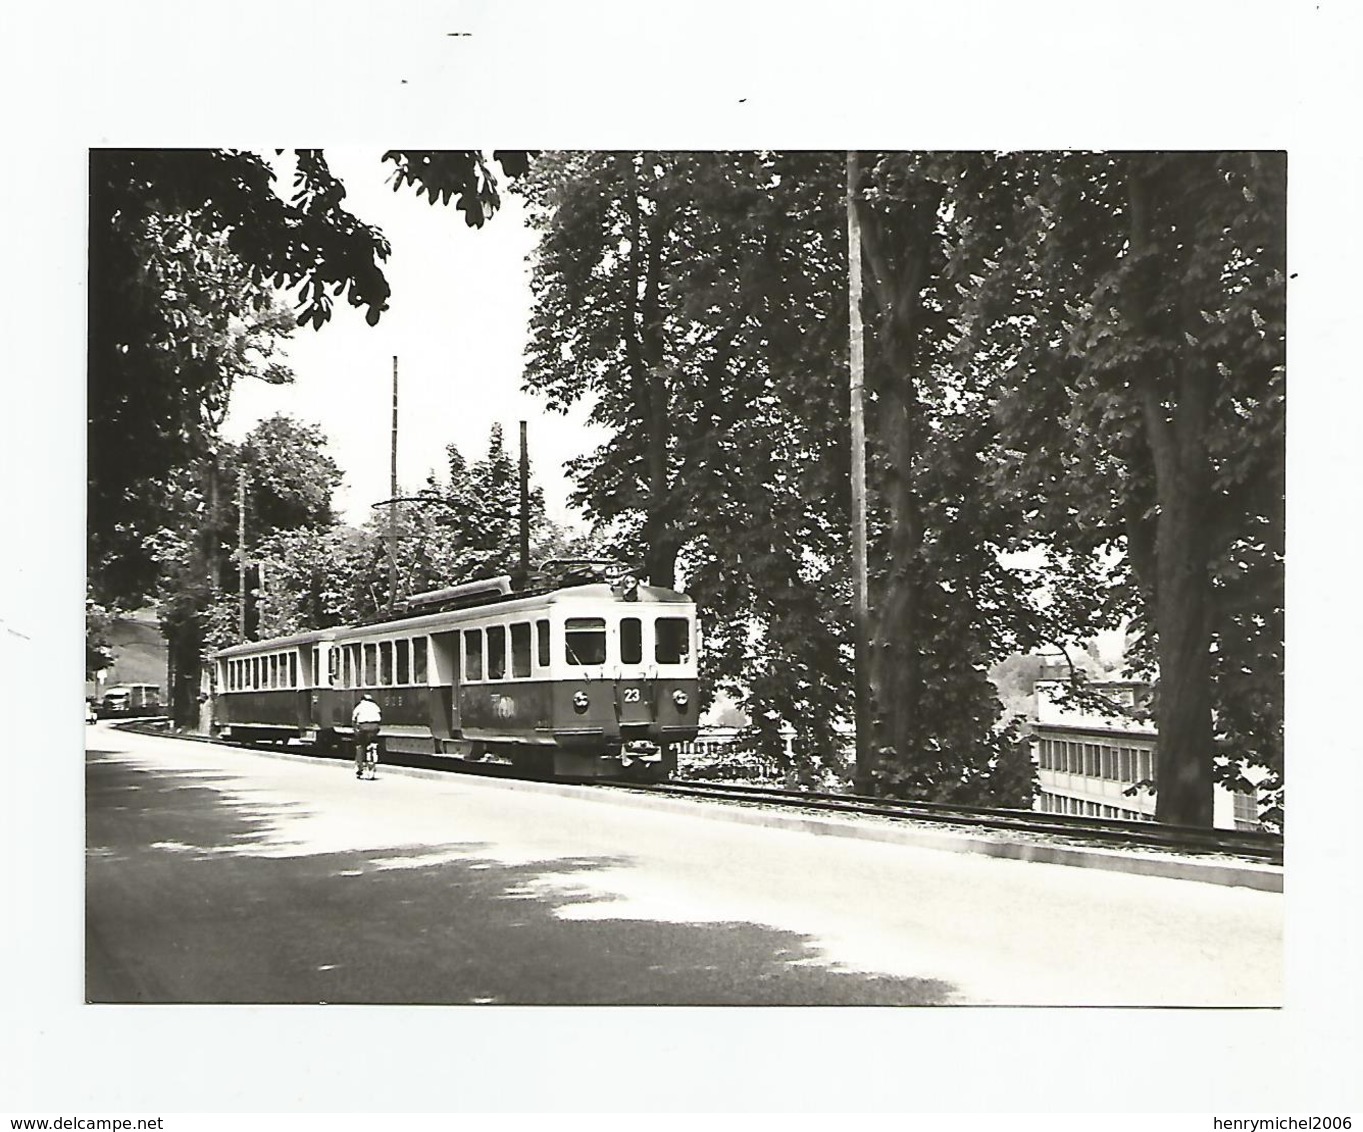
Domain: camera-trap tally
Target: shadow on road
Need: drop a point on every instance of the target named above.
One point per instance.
(172, 918)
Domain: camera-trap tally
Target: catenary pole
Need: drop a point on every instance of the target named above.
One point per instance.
(525, 504)
(241, 554)
(392, 496)
(862, 778)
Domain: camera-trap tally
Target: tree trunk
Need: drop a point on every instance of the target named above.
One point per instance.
(896, 669)
(650, 379)
(897, 282)
(1176, 407)
(1182, 619)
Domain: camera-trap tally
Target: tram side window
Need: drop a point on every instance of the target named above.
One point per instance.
(371, 665)
(496, 652)
(419, 660)
(353, 653)
(404, 661)
(585, 640)
(673, 640)
(473, 654)
(542, 642)
(520, 649)
(385, 662)
(274, 671)
(334, 665)
(293, 670)
(631, 640)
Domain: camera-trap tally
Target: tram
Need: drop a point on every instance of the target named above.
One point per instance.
(585, 679)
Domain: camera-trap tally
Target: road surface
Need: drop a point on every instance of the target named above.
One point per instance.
(217, 875)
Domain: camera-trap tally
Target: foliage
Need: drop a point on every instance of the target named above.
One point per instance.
(321, 574)
(290, 478)
(1134, 318)
(187, 251)
(99, 650)
(684, 298)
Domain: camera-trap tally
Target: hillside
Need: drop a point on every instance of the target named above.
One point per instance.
(139, 652)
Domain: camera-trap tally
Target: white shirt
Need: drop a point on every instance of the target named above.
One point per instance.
(366, 711)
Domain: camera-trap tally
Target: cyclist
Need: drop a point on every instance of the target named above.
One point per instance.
(366, 717)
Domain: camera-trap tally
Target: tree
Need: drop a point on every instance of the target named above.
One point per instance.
(188, 249)
(289, 475)
(1137, 304)
(183, 245)
(666, 285)
(99, 651)
(321, 573)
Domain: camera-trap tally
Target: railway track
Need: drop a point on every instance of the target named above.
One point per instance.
(1191, 841)
(1110, 833)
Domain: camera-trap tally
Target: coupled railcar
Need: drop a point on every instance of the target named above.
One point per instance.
(577, 681)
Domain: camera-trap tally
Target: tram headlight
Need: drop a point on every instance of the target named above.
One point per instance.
(681, 699)
(580, 702)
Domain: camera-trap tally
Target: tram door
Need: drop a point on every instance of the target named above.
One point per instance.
(444, 689)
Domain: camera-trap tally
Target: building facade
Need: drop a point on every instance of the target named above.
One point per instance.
(1101, 764)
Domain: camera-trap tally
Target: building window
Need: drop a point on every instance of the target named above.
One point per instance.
(1245, 809)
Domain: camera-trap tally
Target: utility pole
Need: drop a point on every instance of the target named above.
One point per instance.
(392, 496)
(525, 505)
(241, 554)
(862, 779)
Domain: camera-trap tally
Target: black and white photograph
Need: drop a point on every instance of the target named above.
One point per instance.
(698, 606)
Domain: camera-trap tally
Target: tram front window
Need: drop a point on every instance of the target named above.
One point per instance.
(673, 636)
(584, 640)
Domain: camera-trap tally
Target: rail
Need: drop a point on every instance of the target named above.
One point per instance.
(1253, 845)
(1191, 840)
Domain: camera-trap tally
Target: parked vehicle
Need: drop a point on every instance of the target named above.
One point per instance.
(126, 700)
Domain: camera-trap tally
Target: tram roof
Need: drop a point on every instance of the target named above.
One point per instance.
(589, 593)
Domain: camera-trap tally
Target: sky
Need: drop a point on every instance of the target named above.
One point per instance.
(457, 324)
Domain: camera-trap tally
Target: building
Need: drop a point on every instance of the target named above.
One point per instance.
(1103, 764)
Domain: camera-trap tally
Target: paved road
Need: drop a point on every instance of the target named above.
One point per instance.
(216, 875)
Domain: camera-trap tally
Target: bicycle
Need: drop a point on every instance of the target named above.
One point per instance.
(367, 751)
